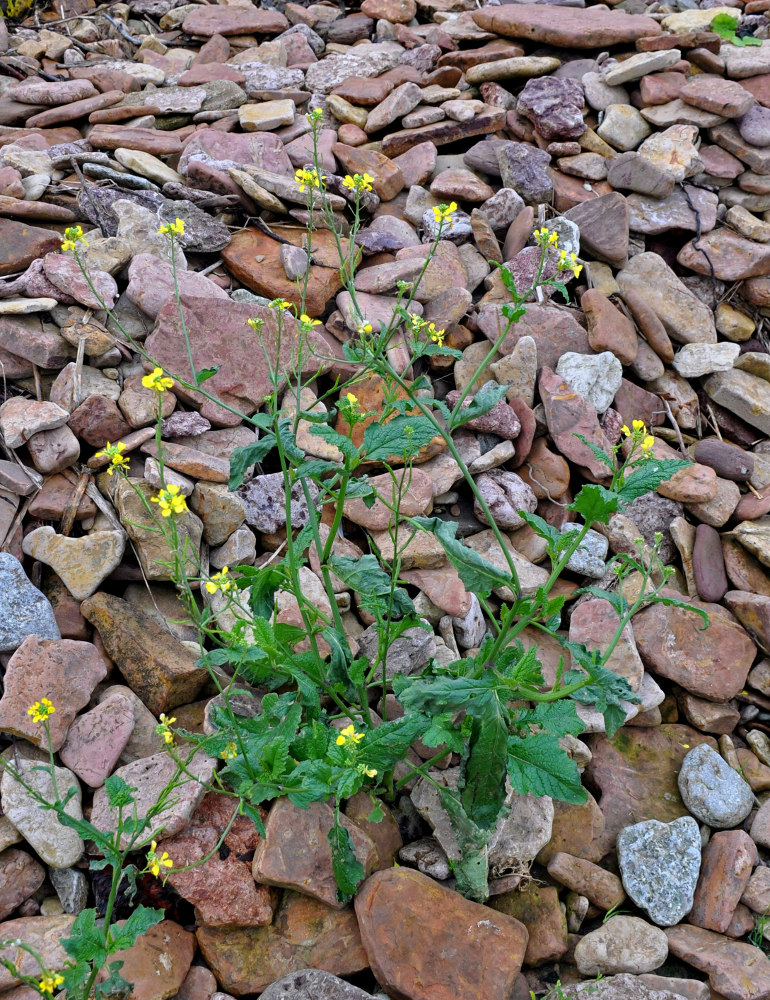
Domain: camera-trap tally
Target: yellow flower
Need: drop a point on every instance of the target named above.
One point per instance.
(352, 400)
(163, 729)
(549, 238)
(370, 772)
(41, 710)
(364, 327)
(256, 324)
(170, 500)
(73, 235)
(307, 324)
(315, 115)
(638, 425)
(358, 182)
(220, 581)
(157, 380)
(113, 452)
(155, 862)
(172, 229)
(416, 322)
(349, 735)
(49, 982)
(444, 213)
(280, 304)
(577, 268)
(308, 179)
(648, 443)
(230, 752)
(437, 336)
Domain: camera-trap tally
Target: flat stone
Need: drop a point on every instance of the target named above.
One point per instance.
(24, 610)
(621, 944)
(304, 933)
(410, 964)
(728, 860)
(745, 395)
(63, 670)
(44, 935)
(234, 21)
(81, 563)
(568, 414)
(158, 667)
(736, 970)
(659, 864)
(20, 877)
(582, 29)
(685, 317)
(96, 739)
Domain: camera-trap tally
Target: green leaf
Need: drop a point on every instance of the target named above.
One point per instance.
(113, 986)
(599, 453)
(399, 438)
(537, 765)
(206, 373)
(382, 748)
(555, 717)
(442, 731)
(244, 457)
(141, 920)
(542, 528)
(348, 870)
(119, 794)
(366, 577)
(291, 450)
(724, 25)
(484, 401)
(675, 602)
(595, 503)
(647, 477)
(615, 599)
(479, 576)
(340, 441)
(86, 942)
(376, 815)
(745, 40)
(482, 782)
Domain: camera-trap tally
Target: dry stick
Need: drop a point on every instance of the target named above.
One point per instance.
(682, 449)
(70, 511)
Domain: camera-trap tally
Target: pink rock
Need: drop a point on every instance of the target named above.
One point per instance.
(726, 866)
(222, 150)
(53, 94)
(234, 21)
(205, 72)
(151, 284)
(736, 970)
(568, 415)
(64, 272)
(222, 888)
(96, 740)
(20, 876)
(500, 420)
(63, 670)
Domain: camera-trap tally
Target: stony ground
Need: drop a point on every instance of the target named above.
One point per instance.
(644, 139)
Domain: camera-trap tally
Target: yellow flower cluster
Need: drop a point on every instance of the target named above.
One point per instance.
(308, 179)
(419, 325)
(639, 433)
(569, 262)
(364, 327)
(155, 861)
(307, 324)
(280, 304)
(315, 115)
(170, 500)
(358, 182)
(72, 236)
(256, 324)
(172, 229)
(163, 729)
(114, 453)
(49, 982)
(220, 581)
(157, 380)
(349, 737)
(230, 752)
(41, 710)
(546, 237)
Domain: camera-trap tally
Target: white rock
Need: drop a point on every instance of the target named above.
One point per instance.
(694, 360)
(594, 377)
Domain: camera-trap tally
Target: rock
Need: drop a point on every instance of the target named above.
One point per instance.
(567, 414)
(582, 876)
(291, 855)
(736, 970)
(727, 863)
(712, 790)
(64, 671)
(158, 961)
(149, 776)
(304, 931)
(58, 846)
(96, 739)
(158, 667)
(685, 318)
(314, 984)
(554, 105)
(81, 563)
(506, 495)
(596, 378)
(585, 29)
(622, 944)
(409, 964)
(659, 863)
(645, 987)
(24, 611)
(44, 935)
(537, 907)
(20, 877)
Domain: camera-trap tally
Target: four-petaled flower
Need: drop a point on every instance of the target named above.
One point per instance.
(437, 336)
(256, 324)
(163, 729)
(157, 380)
(569, 262)
(114, 453)
(170, 500)
(352, 400)
(72, 236)
(349, 735)
(41, 710)
(358, 182)
(370, 772)
(172, 229)
(307, 324)
(648, 443)
(230, 752)
(445, 213)
(220, 581)
(49, 981)
(155, 861)
(308, 179)
(280, 304)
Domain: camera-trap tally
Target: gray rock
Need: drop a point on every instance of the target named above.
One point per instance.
(24, 610)
(622, 944)
(313, 984)
(265, 505)
(428, 856)
(712, 791)
(506, 495)
(410, 651)
(71, 887)
(523, 168)
(595, 377)
(659, 865)
(621, 987)
(469, 630)
(588, 559)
